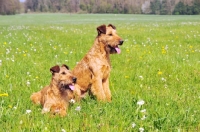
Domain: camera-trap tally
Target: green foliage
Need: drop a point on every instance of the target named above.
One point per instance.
(155, 6)
(182, 9)
(154, 82)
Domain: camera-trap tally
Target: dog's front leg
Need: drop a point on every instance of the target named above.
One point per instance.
(77, 93)
(97, 89)
(107, 89)
(46, 107)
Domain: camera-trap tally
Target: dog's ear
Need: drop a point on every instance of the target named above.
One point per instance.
(65, 66)
(101, 29)
(55, 69)
(110, 25)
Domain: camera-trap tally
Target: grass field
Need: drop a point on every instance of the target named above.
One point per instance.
(155, 81)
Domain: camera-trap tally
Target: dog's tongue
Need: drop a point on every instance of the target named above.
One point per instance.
(118, 50)
(71, 87)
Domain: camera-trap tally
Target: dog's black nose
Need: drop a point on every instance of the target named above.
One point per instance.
(74, 79)
(121, 42)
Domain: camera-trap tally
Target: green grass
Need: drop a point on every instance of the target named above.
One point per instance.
(159, 64)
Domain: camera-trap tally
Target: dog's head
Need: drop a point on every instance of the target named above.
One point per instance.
(108, 36)
(62, 77)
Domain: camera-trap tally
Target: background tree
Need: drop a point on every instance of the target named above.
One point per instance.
(9, 7)
(182, 9)
(164, 7)
(155, 6)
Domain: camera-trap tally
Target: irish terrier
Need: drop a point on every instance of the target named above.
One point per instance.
(93, 70)
(56, 96)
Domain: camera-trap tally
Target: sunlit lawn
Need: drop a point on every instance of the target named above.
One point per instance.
(155, 81)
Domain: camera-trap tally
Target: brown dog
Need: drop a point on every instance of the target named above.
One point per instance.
(56, 96)
(93, 70)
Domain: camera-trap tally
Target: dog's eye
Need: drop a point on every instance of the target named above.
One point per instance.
(63, 73)
(110, 34)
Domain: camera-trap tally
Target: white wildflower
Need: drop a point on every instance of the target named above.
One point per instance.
(63, 130)
(144, 117)
(78, 108)
(141, 129)
(28, 111)
(140, 102)
(141, 77)
(15, 107)
(163, 79)
(28, 83)
(143, 111)
(133, 125)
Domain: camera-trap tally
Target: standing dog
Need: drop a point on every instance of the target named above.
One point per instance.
(93, 70)
(56, 96)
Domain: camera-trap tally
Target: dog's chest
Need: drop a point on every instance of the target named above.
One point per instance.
(105, 71)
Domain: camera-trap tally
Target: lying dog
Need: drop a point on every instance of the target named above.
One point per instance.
(56, 96)
(93, 70)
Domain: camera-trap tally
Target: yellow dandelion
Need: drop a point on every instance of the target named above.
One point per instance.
(24, 55)
(36, 77)
(5, 43)
(191, 47)
(7, 76)
(4, 94)
(159, 73)
(163, 51)
(126, 76)
(10, 106)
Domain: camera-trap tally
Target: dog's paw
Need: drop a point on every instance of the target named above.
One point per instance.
(45, 110)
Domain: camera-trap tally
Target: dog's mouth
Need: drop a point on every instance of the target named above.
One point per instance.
(68, 86)
(115, 49)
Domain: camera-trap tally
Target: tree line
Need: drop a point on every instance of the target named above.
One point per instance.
(163, 7)
(9, 7)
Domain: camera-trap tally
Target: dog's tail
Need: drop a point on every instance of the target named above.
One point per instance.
(36, 98)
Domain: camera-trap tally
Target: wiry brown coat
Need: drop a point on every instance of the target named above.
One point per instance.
(56, 96)
(93, 70)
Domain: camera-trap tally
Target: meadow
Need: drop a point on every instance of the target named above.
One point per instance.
(155, 81)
